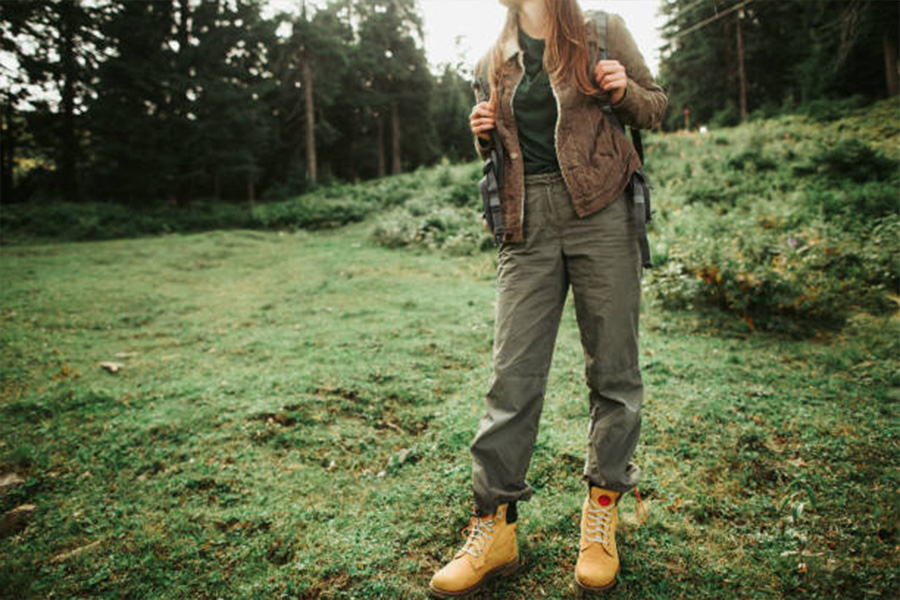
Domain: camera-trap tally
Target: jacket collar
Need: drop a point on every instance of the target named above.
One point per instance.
(511, 44)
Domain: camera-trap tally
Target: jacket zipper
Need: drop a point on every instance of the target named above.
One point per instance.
(513, 112)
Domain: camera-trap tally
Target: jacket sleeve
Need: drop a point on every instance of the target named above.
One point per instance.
(644, 102)
(482, 90)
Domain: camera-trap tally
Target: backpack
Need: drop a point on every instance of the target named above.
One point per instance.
(640, 184)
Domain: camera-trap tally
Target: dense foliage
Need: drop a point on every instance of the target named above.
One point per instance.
(327, 206)
(171, 102)
(729, 60)
(783, 223)
(168, 102)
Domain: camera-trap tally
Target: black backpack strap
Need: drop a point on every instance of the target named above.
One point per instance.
(641, 193)
(491, 181)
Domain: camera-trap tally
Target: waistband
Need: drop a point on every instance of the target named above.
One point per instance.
(551, 177)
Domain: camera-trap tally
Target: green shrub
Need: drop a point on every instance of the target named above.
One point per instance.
(751, 160)
(327, 205)
(769, 275)
(95, 220)
(443, 214)
(396, 228)
(854, 205)
(464, 195)
(798, 228)
(848, 159)
(307, 212)
(703, 190)
(832, 109)
(727, 117)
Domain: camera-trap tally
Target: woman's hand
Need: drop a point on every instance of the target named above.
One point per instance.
(611, 77)
(482, 120)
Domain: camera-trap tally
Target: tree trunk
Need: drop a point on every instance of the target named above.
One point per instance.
(7, 152)
(890, 66)
(742, 74)
(250, 189)
(395, 139)
(184, 12)
(381, 160)
(310, 120)
(68, 142)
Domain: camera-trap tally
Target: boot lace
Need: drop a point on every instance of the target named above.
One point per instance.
(480, 531)
(640, 506)
(599, 520)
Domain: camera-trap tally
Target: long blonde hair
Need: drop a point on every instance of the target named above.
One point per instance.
(566, 52)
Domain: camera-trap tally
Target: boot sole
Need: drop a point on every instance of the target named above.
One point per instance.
(503, 570)
(597, 588)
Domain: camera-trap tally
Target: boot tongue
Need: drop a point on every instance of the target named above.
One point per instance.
(604, 497)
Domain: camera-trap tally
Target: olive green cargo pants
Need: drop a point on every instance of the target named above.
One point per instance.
(599, 256)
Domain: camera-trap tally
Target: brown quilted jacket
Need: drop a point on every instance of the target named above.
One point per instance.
(595, 157)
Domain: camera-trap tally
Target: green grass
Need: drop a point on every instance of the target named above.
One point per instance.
(250, 446)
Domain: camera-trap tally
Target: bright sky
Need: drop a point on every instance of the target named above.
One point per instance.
(476, 24)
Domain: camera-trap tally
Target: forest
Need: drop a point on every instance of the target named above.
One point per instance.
(161, 102)
(150, 103)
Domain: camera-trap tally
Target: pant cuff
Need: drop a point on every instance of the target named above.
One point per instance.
(615, 487)
(488, 507)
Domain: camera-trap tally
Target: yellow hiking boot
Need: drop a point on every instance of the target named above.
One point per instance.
(490, 551)
(598, 558)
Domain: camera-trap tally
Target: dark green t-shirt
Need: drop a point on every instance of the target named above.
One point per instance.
(535, 110)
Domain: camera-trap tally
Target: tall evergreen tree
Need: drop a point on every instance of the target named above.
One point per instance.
(398, 83)
(57, 48)
(169, 100)
(722, 55)
(179, 112)
(310, 66)
(452, 104)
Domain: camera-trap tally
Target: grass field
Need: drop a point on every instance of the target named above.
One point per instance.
(292, 415)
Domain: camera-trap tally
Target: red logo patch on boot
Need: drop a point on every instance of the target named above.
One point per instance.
(604, 500)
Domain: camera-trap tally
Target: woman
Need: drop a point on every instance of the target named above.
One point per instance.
(568, 219)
